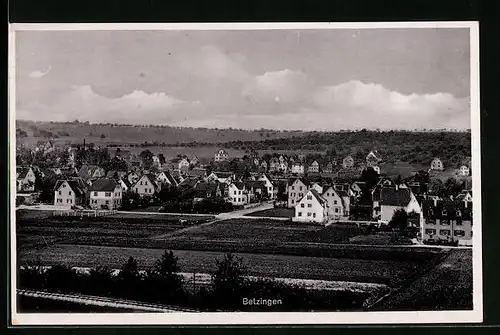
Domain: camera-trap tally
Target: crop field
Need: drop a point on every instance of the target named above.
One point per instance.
(283, 266)
(275, 212)
(447, 287)
(35, 229)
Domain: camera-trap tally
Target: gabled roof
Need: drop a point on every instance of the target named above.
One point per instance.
(435, 211)
(318, 197)
(22, 171)
(150, 178)
(395, 197)
(239, 185)
(111, 174)
(255, 184)
(198, 172)
(220, 174)
(126, 182)
(189, 182)
(75, 185)
(103, 185)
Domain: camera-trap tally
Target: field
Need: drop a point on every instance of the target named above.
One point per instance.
(38, 228)
(37, 305)
(447, 287)
(274, 212)
(283, 266)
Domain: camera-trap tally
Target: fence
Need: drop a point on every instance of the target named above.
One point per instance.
(84, 213)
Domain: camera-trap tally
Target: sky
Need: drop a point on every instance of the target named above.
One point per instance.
(324, 79)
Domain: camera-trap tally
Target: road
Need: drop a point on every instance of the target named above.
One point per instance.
(102, 301)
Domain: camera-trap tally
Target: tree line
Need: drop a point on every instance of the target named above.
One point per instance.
(162, 284)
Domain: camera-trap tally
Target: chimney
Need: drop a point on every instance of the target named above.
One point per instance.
(435, 201)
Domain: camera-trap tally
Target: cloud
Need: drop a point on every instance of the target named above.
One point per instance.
(358, 104)
(39, 74)
(139, 107)
(285, 86)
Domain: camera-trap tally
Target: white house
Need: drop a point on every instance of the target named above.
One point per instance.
(156, 160)
(26, 179)
(317, 187)
(463, 171)
(272, 191)
(183, 164)
(313, 168)
(124, 184)
(69, 193)
(392, 199)
(338, 203)
(296, 190)
(221, 155)
(106, 193)
(348, 162)
(283, 167)
(311, 208)
(238, 194)
(145, 186)
(297, 168)
(373, 158)
(437, 164)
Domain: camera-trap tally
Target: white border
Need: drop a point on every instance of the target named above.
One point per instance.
(274, 318)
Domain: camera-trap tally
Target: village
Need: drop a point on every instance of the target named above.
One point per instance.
(310, 189)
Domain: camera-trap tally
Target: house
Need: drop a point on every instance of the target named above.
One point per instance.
(283, 167)
(164, 178)
(124, 183)
(198, 172)
(297, 188)
(263, 166)
(204, 190)
(26, 179)
(132, 178)
(392, 199)
(156, 160)
(195, 160)
(373, 159)
(272, 191)
(348, 162)
(145, 186)
(282, 159)
(106, 193)
(297, 168)
(338, 203)
(274, 164)
(69, 193)
(238, 194)
(317, 187)
(311, 208)
(463, 171)
(183, 164)
(328, 168)
(314, 167)
(437, 164)
(189, 183)
(221, 177)
(221, 155)
(91, 171)
(446, 221)
(257, 190)
(357, 188)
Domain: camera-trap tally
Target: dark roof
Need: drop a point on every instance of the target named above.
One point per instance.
(198, 172)
(126, 182)
(239, 185)
(151, 179)
(342, 193)
(395, 197)
(103, 184)
(255, 184)
(111, 174)
(318, 197)
(75, 185)
(431, 210)
(22, 170)
(221, 174)
(189, 182)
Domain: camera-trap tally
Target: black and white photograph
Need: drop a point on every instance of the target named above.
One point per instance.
(278, 173)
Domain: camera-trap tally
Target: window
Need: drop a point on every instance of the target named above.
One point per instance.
(459, 233)
(302, 205)
(59, 192)
(136, 190)
(67, 201)
(430, 231)
(431, 221)
(300, 188)
(336, 210)
(314, 215)
(327, 194)
(300, 213)
(309, 205)
(95, 194)
(107, 202)
(145, 183)
(309, 197)
(444, 213)
(107, 194)
(444, 232)
(459, 214)
(239, 192)
(64, 185)
(293, 187)
(445, 222)
(334, 202)
(141, 183)
(292, 201)
(59, 200)
(308, 214)
(301, 194)
(234, 192)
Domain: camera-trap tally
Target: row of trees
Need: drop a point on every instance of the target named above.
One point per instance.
(162, 284)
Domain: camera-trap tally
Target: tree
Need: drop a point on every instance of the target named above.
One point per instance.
(100, 281)
(62, 278)
(164, 278)
(146, 158)
(229, 280)
(370, 177)
(162, 159)
(129, 280)
(399, 220)
(130, 199)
